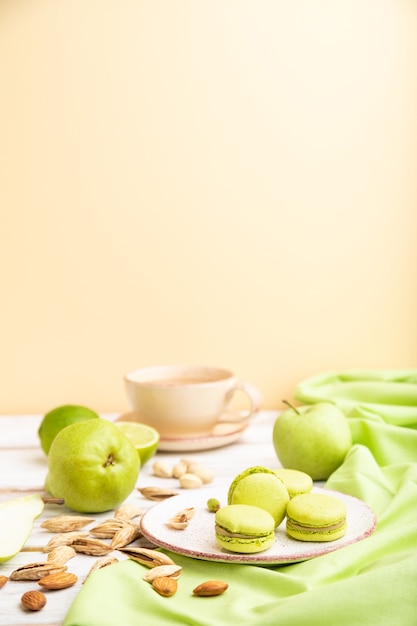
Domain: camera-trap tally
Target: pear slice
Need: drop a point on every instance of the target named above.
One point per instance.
(16, 523)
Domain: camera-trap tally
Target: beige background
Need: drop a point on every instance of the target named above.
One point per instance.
(220, 182)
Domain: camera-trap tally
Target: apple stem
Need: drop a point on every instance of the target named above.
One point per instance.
(291, 406)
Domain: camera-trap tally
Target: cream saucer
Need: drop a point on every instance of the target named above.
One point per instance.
(223, 434)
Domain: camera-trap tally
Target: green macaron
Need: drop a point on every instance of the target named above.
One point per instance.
(261, 487)
(316, 517)
(244, 528)
(295, 481)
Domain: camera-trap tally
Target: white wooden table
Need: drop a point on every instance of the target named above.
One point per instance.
(23, 468)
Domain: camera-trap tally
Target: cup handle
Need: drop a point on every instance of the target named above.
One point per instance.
(255, 398)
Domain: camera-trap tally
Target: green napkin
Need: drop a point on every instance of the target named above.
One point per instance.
(370, 582)
(383, 395)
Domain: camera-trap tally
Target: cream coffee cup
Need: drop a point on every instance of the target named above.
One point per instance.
(187, 400)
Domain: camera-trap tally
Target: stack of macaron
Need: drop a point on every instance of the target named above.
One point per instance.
(259, 499)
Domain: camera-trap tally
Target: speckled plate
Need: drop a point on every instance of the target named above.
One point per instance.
(198, 540)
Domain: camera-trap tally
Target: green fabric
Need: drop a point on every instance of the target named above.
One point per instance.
(388, 396)
(373, 581)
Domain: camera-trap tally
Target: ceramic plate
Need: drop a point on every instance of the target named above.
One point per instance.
(198, 540)
(222, 435)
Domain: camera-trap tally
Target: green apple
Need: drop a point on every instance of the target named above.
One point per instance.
(313, 439)
(56, 419)
(92, 465)
(16, 523)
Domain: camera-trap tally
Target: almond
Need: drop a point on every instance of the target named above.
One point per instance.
(108, 528)
(92, 547)
(147, 556)
(33, 600)
(165, 585)
(128, 511)
(64, 539)
(157, 493)
(61, 554)
(125, 535)
(3, 581)
(58, 581)
(66, 523)
(36, 571)
(163, 571)
(210, 588)
(105, 561)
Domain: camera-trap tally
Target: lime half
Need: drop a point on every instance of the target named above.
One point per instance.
(144, 438)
